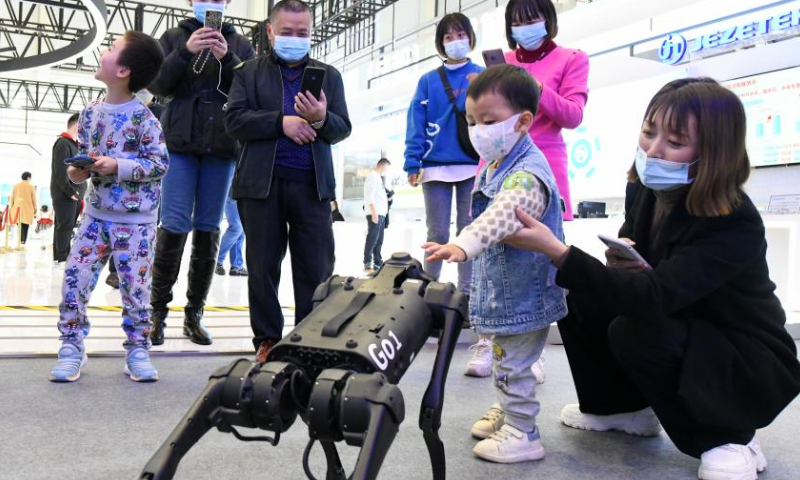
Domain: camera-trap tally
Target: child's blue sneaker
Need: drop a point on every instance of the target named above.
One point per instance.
(138, 366)
(70, 361)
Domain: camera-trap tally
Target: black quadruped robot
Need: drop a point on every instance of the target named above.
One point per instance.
(338, 371)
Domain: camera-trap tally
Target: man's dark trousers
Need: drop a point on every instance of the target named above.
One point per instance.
(66, 216)
(292, 214)
(374, 242)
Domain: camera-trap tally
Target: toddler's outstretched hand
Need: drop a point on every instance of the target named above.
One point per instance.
(448, 252)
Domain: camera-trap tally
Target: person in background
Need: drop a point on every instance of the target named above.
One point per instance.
(196, 77)
(562, 75)
(25, 192)
(45, 217)
(435, 155)
(514, 299)
(233, 242)
(284, 180)
(44, 224)
(694, 339)
(66, 195)
(376, 205)
(130, 159)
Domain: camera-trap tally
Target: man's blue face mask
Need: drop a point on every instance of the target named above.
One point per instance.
(292, 49)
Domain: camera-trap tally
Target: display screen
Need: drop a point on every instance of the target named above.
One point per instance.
(772, 103)
(602, 149)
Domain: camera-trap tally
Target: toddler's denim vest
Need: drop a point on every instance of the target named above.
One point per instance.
(514, 291)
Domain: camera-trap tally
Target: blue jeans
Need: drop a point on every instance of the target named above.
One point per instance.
(438, 205)
(193, 192)
(233, 240)
(372, 247)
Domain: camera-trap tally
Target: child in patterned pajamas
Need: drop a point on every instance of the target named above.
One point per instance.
(119, 220)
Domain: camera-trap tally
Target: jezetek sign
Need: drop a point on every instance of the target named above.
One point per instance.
(675, 47)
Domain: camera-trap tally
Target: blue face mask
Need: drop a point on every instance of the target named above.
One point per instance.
(292, 49)
(660, 174)
(529, 37)
(200, 9)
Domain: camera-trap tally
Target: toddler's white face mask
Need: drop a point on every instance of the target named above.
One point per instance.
(493, 142)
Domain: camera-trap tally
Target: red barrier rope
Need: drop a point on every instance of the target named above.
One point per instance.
(14, 221)
(3, 219)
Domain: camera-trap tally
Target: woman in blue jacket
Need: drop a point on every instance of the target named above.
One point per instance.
(441, 161)
(434, 157)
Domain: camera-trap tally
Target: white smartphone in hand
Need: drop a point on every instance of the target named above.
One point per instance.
(623, 249)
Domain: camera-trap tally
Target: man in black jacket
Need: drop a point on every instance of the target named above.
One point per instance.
(196, 76)
(66, 195)
(284, 181)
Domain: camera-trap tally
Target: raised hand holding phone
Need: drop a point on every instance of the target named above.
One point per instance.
(310, 108)
(202, 39)
(311, 102)
(622, 255)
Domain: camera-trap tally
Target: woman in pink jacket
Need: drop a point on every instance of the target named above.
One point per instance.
(562, 73)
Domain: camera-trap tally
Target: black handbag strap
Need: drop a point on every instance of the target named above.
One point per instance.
(461, 119)
(447, 88)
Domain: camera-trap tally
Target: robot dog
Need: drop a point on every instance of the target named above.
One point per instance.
(338, 371)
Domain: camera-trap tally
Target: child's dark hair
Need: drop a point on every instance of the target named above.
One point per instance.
(457, 22)
(45, 208)
(384, 161)
(514, 84)
(143, 56)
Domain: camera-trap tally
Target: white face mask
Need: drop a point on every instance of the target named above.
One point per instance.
(457, 49)
(493, 142)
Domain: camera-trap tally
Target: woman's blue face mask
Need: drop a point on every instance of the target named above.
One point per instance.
(530, 37)
(660, 174)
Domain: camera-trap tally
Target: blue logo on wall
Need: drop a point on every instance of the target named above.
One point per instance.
(673, 49)
(580, 154)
